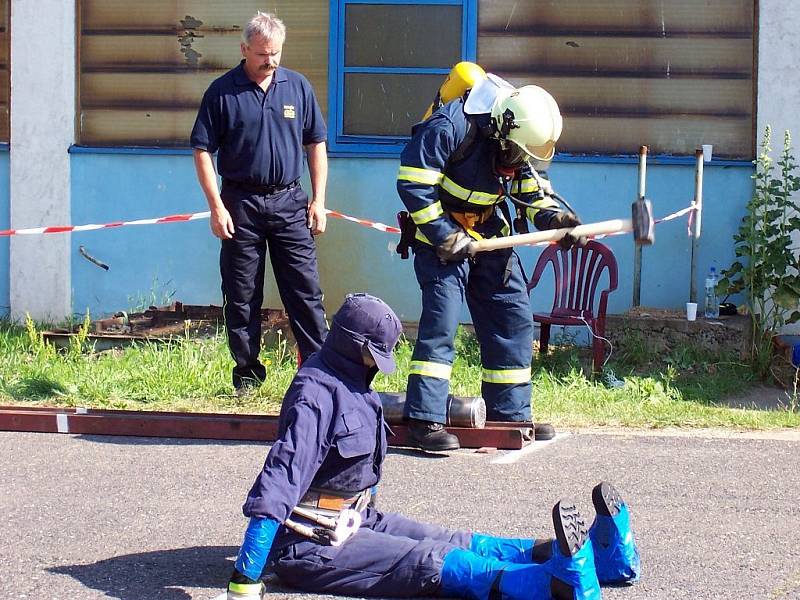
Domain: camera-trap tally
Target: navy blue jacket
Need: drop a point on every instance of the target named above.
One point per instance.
(430, 185)
(331, 434)
(259, 136)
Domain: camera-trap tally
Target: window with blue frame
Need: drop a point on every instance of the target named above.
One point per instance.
(388, 59)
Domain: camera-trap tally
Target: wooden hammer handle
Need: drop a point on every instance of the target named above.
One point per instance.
(553, 235)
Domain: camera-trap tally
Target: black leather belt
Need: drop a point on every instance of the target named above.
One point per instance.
(263, 190)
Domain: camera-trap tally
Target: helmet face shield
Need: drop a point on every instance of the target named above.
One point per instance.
(511, 156)
(544, 153)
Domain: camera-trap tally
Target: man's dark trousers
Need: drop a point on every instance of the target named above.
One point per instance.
(276, 223)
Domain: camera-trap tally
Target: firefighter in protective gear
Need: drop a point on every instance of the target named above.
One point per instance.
(455, 176)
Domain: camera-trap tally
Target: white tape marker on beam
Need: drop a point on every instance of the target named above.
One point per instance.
(62, 423)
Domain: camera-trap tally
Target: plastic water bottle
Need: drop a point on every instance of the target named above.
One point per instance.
(712, 302)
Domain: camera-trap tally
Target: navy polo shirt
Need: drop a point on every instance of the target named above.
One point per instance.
(259, 136)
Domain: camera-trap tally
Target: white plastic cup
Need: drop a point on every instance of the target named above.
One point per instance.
(707, 148)
(691, 311)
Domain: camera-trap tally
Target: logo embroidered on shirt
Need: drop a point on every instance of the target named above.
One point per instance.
(288, 111)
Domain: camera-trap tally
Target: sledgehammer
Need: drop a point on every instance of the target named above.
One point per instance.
(641, 224)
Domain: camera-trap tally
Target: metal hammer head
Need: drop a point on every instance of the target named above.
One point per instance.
(644, 226)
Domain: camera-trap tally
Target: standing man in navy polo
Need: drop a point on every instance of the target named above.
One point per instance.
(259, 117)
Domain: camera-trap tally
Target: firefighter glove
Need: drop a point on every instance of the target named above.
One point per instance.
(562, 220)
(456, 247)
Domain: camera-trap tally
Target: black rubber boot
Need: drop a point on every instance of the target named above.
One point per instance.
(606, 499)
(543, 431)
(571, 536)
(430, 436)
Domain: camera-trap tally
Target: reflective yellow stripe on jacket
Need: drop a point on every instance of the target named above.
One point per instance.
(507, 375)
(417, 175)
(430, 369)
(524, 186)
(471, 196)
(427, 214)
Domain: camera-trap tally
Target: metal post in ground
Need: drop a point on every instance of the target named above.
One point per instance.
(697, 215)
(637, 253)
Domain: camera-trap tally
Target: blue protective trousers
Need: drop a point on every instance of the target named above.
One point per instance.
(495, 291)
(276, 224)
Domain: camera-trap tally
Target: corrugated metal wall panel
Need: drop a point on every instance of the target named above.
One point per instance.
(618, 135)
(655, 16)
(644, 96)
(4, 71)
(145, 90)
(679, 55)
(632, 69)
(137, 127)
(156, 59)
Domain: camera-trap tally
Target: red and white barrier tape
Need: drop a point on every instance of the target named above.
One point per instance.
(92, 227)
(206, 214)
(374, 225)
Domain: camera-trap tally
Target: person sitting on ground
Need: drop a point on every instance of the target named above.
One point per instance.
(327, 462)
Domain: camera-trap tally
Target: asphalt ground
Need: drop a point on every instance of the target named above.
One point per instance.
(715, 515)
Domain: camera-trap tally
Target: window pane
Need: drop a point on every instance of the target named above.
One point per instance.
(402, 35)
(386, 104)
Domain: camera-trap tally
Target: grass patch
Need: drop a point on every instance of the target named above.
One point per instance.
(685, 388)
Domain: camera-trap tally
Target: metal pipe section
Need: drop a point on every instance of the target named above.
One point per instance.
(697, 216)
(462, 411)
(637, 255)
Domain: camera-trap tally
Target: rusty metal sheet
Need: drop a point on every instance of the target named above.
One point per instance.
(150, 89)
(208, 426)
(137, 127)
(595, 94)
(671, 75)
(144, 66)
(502, 438)
(640, 55)
(708, 16)
(168, 90)
(157, 14)
(212, 50)
(99, 343)
(160, 325)
(665, 134)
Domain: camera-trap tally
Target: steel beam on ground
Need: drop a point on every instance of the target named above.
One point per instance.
(216, 426)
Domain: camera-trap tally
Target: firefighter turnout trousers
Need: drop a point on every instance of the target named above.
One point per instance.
(494, 288)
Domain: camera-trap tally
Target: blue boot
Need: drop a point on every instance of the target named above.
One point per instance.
(568, 575)
(615, 554)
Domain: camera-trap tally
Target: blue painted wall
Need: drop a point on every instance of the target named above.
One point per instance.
(151, 264)
(5, 220)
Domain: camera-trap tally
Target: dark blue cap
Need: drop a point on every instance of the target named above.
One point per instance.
(370, 320)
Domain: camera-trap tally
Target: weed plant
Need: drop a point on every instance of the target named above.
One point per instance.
(685, 388)
(767, 269)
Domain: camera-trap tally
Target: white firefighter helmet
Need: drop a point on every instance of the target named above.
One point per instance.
(528, 117)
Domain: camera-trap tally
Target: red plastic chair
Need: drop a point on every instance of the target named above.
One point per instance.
(577, 276)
